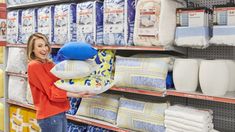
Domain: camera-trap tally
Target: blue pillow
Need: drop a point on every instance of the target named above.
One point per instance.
(76, 51)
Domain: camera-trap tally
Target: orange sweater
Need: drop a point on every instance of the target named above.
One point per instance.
(48, 99)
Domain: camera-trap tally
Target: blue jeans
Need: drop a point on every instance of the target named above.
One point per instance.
(56, 123)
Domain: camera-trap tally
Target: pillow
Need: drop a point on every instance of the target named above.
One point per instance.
(16, 89)
(93, 84)
(141, 73)
(141, 116)
(29, 97)
(169, 59)
(76, 128)
(103, 107)
(187, 70)
(76, 51)
(100, 80)
(96, 129)
(17, 60)
(70, 69)
(105, 59)
(214, 77)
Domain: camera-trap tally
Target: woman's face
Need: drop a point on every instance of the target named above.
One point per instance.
(41, 49)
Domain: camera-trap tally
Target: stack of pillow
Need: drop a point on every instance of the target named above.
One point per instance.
(84, 68)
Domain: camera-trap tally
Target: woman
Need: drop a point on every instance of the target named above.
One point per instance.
(50, 102)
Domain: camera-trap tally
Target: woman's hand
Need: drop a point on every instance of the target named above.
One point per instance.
(80, 94)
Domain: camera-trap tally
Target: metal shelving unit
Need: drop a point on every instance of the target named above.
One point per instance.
(228, 98)
(38, 3)
(133, 48)
(196, 99)
(80, 119)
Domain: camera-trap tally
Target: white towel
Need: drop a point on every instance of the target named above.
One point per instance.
(208, 125)
(182, 127)
(189, 114)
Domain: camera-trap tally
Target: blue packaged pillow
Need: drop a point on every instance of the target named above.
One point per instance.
(96, 129)
(71, 127)
(76, 51)
(74, 104)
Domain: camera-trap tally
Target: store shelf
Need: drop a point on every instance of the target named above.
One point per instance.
(138, 91)
(9, 101)
(134, 48)
(145, 48)
(17, 45)
(228, 98)
(80, 119)
(17, 74)
(95, 122)
(38, 3)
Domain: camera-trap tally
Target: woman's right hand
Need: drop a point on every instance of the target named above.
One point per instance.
(84, 94)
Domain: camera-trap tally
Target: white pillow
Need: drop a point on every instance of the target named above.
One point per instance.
(29, 97)
(71, 69)
(167, 58)
(142, 73)
(93, 84)
(186, 70)
(214, 77)
(103, 107)
(141, 116)
(17, 88)
(17, 60)
(231, 66)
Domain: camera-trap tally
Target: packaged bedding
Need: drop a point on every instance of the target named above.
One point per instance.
(119, 16)
(13, 26)
(155, 22)
(193, 27)
(65, 23)
(90, 22)
(46, 21)
(29, 24)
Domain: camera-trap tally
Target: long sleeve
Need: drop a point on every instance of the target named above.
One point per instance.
(40, 77)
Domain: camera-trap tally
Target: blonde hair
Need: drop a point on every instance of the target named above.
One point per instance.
(31, 43)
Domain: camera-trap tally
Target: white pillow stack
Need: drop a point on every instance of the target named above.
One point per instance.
(185, 74)
(91, 75)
